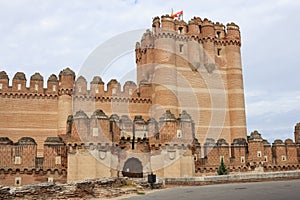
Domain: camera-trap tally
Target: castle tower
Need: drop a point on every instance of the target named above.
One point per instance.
(66, 84)
(195, 66)
(235, 82)
(297, 133)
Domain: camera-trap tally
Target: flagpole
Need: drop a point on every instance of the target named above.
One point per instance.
(182, 15)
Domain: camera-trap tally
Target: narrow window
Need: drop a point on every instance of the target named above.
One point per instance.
(36, 87)
(180, 30)
(95, 131)
(18, 160)
(200, 29)
(0, 86)
(179, 134)
(96, 91)
(58, 160)
(266, 158)
(18, 181)
(114, 91)
(54, 88)
(19, 86)
(259, 154)
(130, 91)
(283, 158)
(180, 48)
(218, 34)
(242, 159)
(219, 52)
(79, 88)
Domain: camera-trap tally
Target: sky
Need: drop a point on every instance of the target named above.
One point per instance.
(47, 36)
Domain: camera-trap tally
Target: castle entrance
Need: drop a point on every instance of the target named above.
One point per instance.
(133, 168)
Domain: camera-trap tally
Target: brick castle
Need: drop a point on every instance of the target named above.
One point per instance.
(185, 115)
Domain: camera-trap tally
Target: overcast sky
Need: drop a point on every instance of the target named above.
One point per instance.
(47, 36)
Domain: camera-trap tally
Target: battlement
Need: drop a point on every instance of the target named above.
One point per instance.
(22, 154)
(114, 89)
(35, 88)
(100, 128)
(66, 84)
(196, 27)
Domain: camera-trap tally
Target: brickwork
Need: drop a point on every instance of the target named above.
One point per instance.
(175, 53)
(253, 155)
(20, 164)
(183, 116)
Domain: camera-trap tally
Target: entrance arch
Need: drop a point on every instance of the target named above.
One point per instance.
(133, 168)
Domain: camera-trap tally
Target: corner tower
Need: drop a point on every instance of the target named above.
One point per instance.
(65, 92)
(195, 66)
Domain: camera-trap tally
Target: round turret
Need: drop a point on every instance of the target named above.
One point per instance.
(155, 24)
(220, 30)
(167, 23)
(233, 31)
(147, 39)
(208, 30)
(194, 27)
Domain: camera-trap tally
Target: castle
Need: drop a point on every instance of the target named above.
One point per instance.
(185, 115)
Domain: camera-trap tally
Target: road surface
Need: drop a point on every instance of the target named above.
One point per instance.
(275, 190)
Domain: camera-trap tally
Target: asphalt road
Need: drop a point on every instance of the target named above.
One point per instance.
(274, 190)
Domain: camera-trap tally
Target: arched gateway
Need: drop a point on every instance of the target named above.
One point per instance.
(133, 168)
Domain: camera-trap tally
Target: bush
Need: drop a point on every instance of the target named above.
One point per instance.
(222, 168)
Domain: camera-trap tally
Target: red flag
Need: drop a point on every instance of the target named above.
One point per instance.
(177, 15)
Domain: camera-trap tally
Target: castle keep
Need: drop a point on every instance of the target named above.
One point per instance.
(183, 116)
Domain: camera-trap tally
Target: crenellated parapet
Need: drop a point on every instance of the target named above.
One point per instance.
(114, 90)
(22, 155)
(254, 154)
(36, 85)
(20, 165)
(100, 128)
(66, 85)
(195, 28)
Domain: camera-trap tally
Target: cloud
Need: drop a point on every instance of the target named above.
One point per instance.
(46, 36)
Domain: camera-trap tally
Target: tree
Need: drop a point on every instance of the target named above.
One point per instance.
(222, 168)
